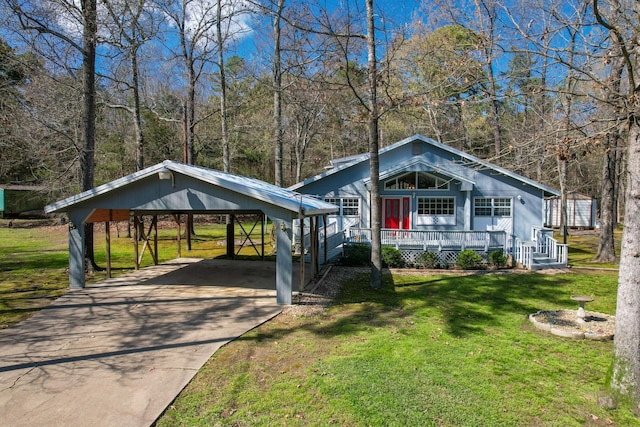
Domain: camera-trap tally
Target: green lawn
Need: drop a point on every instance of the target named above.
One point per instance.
(583, 245)
(440, 350)
(426, 350)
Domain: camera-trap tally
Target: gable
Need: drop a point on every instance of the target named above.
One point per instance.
(172, 186)
(433, 156)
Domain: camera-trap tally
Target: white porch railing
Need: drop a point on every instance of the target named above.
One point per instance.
(546, 244)
(434, 240)
(523, 253)
(331, 230)
(542, 243)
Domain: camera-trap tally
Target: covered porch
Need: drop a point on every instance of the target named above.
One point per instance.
(542, 251)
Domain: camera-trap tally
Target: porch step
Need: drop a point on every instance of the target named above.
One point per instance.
(542, 262)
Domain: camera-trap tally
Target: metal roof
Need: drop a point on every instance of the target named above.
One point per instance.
(468, 157)
(254, 188)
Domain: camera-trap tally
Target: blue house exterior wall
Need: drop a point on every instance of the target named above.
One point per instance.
(482, 179)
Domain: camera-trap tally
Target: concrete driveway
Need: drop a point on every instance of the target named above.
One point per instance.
(118, 352)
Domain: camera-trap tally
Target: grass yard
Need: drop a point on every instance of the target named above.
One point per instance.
(583, 245)
(441, 350)
(426, 350)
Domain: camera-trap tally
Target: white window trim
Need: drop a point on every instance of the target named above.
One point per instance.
(427, 219)
(339, 201)
(493, 207)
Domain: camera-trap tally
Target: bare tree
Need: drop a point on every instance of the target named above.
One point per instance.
(224, 130)
(76, 26)
(612, 146)
(374, 162)
(277, 92)
(481, 18)
(194, 25)
(618, 19)
(131, 24)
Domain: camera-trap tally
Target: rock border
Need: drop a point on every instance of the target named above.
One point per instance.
(567, 332)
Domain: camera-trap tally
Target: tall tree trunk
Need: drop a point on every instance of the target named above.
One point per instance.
(561, 164)
(277, 96)
(606, 247)
(89, 12)
(542, 118)
(374, 162)
(137, 117)
(191, 118)
(226, 157)
(625, 377)
(626, 368)
(564, 148)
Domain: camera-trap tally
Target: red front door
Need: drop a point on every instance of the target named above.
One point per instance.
(392, 213)
(406, 212)
(397, 213)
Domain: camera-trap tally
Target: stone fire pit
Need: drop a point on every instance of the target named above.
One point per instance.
(576, 324)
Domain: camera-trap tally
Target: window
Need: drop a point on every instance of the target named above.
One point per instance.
(436, 206)
(349, 206)
(483, 207)
(492, 207)
(417, 180)
(431, 182)
(407, 182)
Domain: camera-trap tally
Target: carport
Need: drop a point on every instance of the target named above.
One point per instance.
(177, 189)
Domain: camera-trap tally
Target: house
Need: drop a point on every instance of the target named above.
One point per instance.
(437, 198)
(581, 211)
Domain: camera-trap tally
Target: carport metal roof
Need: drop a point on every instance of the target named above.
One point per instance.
(172, 187)
(253, 188)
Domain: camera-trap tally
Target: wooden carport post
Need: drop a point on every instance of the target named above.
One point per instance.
(231, 237)
(136, 237)
(313, 238)
(263, 219)
(155, 239)
(176, 218)
(107, 236)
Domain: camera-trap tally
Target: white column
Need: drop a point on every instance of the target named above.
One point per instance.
(467, 210)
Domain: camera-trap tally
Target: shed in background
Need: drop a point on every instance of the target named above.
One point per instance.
(16, 200)
(581, 211)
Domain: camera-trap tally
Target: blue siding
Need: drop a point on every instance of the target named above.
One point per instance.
(488, 182)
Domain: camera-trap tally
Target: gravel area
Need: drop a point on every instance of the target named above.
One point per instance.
(319, 293)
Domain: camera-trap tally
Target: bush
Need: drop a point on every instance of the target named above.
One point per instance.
(427, 260)
(391, 257)
(469, 260)
(497, 258)
(356, 255)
